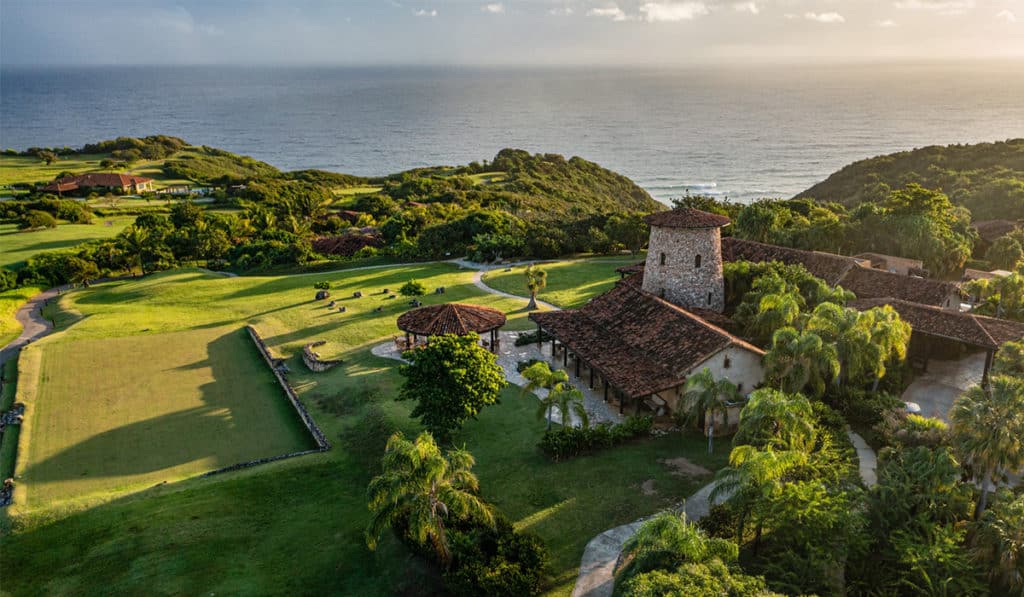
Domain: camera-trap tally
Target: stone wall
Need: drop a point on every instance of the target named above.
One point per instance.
(313, 360)
(318, 436)
(679, 280)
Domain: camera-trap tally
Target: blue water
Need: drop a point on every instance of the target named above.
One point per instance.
(741, 132)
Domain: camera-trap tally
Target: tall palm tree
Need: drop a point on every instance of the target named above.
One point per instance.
(704, 394)
(536, 280)
(423, 487)
(568, 401)
(775, 311)
(849, 331)
(988, 431)
(799, 361)
(890, 335)
(135, 240)
(778, 420)
(668, 540)
(999, 542)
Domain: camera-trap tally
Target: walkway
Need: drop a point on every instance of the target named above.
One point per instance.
(34, 325)
(481, 269)
(935, 390)
(866, 458)
(597, 568)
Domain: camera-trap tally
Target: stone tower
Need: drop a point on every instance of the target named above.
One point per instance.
(684, 258)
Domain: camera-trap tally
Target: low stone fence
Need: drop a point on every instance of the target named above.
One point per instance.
(313, 360)
(278, 369)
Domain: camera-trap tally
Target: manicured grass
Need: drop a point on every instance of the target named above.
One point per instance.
(352, 191)
(116, 414)
(488, 177)
(10, 302)
(16, 246)
(296, 525)
(28, 169)
(570, 283)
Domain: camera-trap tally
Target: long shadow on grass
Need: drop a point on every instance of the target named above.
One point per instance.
(218, 431)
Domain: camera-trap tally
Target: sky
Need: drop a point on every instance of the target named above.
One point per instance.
(509, 32)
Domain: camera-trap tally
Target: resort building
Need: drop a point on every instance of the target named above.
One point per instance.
(663, 321)
(100, 182)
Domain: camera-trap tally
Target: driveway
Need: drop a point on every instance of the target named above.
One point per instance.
(936, 389)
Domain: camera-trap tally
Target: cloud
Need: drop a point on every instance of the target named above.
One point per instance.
(1006, 16)
(425, 13)
(886, 24)
(825, 17)
(561, 11)
(495, 8)
(671, 12)
(612, 12)
(943, 7)
(750, 7)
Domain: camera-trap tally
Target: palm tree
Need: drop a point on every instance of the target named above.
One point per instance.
(799, 361)
(536, 280)
(890, 335)
(135, 239)
(999, 542)
(568, 401)
(778, 420)
(668, 540)
(988, 431)
(849, 331)
(423, 487)
(775, 311)
(1009, 360)
(540, 376)
(703, 394)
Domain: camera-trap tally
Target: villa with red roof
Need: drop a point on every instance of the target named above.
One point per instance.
(100, 182)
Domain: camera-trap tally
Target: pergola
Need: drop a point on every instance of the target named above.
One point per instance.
(451, 318)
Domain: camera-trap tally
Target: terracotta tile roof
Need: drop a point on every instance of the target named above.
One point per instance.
(990, 230)
(96, 179)
(450, 318)
(976, 330)
(873, 283)
(640, 343)
(686, 217)
(827, 266)
(839, 270)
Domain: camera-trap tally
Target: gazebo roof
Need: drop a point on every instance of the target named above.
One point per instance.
(451, 318)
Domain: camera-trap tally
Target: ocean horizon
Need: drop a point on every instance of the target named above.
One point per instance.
(741, 132)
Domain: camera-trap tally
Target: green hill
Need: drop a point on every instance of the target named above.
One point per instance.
(986, 178)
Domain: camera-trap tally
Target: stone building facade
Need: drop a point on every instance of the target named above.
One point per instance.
(684, 260)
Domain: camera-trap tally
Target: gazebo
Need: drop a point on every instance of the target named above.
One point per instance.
(451, 318)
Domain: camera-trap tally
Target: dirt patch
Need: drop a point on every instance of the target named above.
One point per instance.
(683, 467)
(647, 487)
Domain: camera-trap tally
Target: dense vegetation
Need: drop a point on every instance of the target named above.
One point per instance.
(986, 178)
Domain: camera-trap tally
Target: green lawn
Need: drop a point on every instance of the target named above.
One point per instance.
(28, 169)
(296, 526)
(115, 414)
(16, 246)
(570, 283)
(352, 191)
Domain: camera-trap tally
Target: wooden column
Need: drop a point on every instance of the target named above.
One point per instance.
(540, 334)
(565, 355)
(622, 401)
(591, 376)
(576, 358)
(989, 356)
(606, 390)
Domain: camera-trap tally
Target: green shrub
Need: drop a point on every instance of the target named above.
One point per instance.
(566, 442)
(413, 288)
(37, 220)
(495, 562)
(525, 338)
(322, 285)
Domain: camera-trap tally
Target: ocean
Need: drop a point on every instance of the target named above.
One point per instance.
(741, 132)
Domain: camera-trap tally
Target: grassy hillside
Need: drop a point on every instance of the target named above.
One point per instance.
(296, 526)
(986, 178)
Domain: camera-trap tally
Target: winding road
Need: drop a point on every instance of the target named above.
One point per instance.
(34, 325)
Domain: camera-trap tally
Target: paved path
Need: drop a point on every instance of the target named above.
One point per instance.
(597, 567)
(34, 325)
(936, 389)
(866, 457)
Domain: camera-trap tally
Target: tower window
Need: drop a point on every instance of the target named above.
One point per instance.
(662, 259)
(696, 262)
(709, 298)
(662, 293)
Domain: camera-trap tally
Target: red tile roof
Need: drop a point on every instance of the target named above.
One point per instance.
(96, 179)
(686, 217)
(990, 230)
(976, 330)
(640, 343)
(451, 318)
(873, 283)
